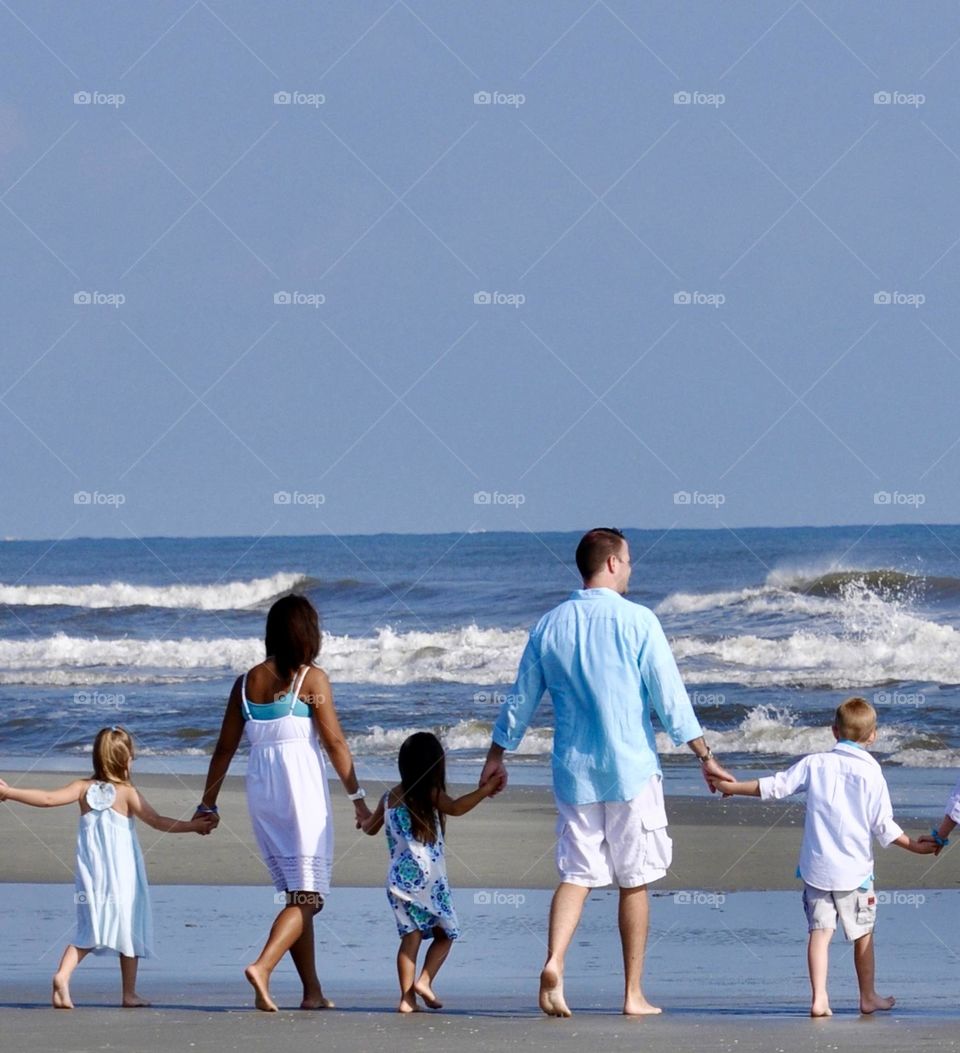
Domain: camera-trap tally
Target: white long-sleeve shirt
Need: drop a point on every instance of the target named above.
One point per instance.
(848, 804)
(953, 805)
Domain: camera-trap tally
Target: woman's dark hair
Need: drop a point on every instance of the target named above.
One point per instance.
(423, 774)
(293, 634)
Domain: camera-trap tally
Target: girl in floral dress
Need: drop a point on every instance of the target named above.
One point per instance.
(414, 814)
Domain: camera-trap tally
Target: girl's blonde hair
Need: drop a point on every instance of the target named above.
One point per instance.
(112, 754)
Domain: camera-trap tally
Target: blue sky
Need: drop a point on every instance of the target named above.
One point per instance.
(686, 212)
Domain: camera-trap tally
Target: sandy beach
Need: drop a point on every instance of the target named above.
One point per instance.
(725, 956)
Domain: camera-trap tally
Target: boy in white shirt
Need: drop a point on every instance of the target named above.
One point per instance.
(847, 804)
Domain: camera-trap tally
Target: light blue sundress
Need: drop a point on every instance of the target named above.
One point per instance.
(417, 885)
(111, 891)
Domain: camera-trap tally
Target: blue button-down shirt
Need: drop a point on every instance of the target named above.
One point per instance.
(607, 666)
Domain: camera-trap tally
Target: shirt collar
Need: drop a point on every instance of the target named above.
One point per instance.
(598, 593)
(854, 749)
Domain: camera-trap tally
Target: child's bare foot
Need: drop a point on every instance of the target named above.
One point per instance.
(430, 1000)
(552, 1001)
(61, 994)
(408, 1004)
(637, 1005)
(134, 1001)
(874, 1002)
(261, 995)
(821, 1008)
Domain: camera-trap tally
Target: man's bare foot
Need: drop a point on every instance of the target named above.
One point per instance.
(408, 1004)
(134, 1001)
(430, 1000)
(317, 1001)
(261, 995)
(552, 1001)
(821, 1009)
(637, 1005)
(875, 1002)
(61, 994)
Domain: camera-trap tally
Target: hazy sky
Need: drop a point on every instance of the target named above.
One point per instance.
(385, 164)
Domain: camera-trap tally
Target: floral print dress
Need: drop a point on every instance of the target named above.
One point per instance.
(417, 885)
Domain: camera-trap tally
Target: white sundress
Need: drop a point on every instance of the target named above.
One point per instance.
(417, 885)
(110, 888)
(287, 792)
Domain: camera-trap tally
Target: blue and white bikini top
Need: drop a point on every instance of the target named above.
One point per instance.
(288, 705)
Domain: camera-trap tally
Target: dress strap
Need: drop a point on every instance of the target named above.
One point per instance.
(243, 699)
(297, 685)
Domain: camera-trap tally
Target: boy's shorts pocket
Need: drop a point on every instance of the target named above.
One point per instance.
(866, 911)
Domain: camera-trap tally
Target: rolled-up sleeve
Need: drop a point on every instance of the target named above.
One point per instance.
(786, 783)
(519, 706)
(882, 824)
(664, 686)
(953, 805)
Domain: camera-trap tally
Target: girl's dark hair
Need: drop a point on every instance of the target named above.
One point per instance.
(293, 634)
(423, 774)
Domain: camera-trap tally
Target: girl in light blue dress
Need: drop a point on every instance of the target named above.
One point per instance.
(111, 893)
(414, 814)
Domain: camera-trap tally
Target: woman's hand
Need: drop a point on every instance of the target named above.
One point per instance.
(361, 813)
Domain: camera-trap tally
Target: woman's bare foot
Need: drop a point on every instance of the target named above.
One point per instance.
(637, 1005)
(408, 1004)
(821, 1008)
(874, 1002)
(430, 1000)
(552, 1001)
(134, 1001)
(61, 994)
(317, 1001)
(261, 994)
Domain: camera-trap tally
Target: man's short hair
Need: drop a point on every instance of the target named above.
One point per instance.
(855, 719)
(595, 547)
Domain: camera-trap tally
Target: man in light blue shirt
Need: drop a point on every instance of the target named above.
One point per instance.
(608, 667)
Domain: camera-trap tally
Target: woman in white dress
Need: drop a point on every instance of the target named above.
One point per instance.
(285, 707)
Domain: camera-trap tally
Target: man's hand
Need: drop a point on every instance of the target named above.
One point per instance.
(214, 821)
(714, 772)
(494, 769)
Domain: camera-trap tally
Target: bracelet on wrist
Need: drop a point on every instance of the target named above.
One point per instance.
(208, 809)
(358, 796)
(703, 758)
(941, 841)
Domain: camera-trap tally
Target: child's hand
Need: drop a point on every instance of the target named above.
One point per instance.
(494, 784)
(3, 790)
(926, 846)
(723, 786)
(205, 824)
(366, 825)
(362, 814)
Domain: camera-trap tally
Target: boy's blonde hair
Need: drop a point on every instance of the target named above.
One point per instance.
(112, 754)
(855, 719)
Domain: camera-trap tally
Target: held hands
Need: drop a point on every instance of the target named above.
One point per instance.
(205, 823)
(494, 784)
(494, 769)
(362, 814)
(926, 846)
(715, 775)
(3, 790)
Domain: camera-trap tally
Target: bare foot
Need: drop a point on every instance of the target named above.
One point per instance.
(637, 1005)
(408, 1004)
(430, 1000)
(551, 993)
(134, 1001)
(61, 994)
(317, 1001)
(875, 1002)
(821, 1009)
(261, 995)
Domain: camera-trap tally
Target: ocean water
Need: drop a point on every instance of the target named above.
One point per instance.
(771, 628)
